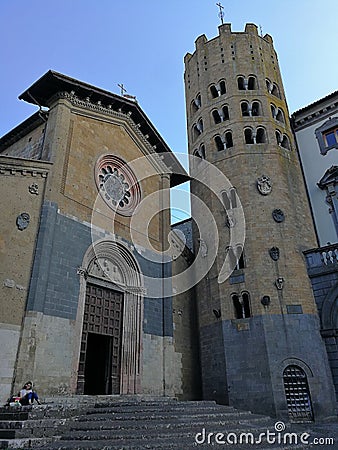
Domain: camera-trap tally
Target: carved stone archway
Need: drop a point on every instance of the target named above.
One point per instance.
(110, 264)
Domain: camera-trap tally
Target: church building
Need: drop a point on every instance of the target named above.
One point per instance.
(100, 295)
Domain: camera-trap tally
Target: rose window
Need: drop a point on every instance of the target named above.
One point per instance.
(117, 184)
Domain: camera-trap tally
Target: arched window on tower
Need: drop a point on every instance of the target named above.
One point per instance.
(279, 137)
(216, 116)
(200, 152)
(219, 143)
(241, 304)
(225, 110)
(274, 110)
(222, 87)
(197, 129)
(285, 142)
(229, 198)
(249, 136)
(275, 90)
(242, 83)
(280, 116)
(213, 91)
(256, 109)
(252, 83)
(269, 85)
(228, 139)
(196, 104)
(260, 135)
(245, 109)
(236, 257)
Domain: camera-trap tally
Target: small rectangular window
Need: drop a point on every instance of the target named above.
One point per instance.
(330, 138)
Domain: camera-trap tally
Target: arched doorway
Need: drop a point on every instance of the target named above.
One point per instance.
(109, 359)
(297, 394)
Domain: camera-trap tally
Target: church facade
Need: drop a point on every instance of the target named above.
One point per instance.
(81, 280)
(100, 296)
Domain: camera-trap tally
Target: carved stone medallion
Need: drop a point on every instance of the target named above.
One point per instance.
(265, 300)
(279, 283)
(278, 215)
(264, 185)
(274, 253)
(22, 221)
(34, 189)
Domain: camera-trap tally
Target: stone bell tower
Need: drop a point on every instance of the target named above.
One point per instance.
(259, 332)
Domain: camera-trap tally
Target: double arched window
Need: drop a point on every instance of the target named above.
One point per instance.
(247, 84)
(255, 136)
(221, 114)
(200, 152)
(218, 89)
(277, 113)
(241, 303)
(251, 109)
(283, 140)
(272, 88)
(224, 141)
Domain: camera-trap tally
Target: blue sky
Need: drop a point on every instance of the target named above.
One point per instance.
(142, 44)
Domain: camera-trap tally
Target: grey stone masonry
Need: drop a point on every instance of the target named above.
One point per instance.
(54, 289)
(61, 245)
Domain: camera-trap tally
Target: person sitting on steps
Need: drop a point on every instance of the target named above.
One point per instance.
(27, 395)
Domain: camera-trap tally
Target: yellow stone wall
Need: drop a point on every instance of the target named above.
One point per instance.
(75, 140)
(228, 56)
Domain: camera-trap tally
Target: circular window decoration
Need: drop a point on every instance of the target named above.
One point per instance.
(117, 184)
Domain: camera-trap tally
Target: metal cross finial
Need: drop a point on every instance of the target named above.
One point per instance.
(221, 13)
(123, 90)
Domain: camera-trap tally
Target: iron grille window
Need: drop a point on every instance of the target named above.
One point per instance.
(297, 394)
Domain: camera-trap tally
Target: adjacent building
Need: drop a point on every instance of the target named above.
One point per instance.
(316, 132)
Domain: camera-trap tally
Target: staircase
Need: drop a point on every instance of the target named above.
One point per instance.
(129, 423)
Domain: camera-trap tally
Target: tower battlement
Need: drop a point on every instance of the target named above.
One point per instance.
(225, 32)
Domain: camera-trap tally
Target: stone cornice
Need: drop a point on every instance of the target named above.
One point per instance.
(17, 166)
(108, 110)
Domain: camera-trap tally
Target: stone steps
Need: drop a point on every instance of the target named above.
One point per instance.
(132, 423)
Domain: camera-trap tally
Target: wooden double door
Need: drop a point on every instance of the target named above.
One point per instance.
(100, 354)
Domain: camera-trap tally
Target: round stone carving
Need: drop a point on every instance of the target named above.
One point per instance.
(265, 300)
(117, 184)
(22, 221)
(278, 215)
